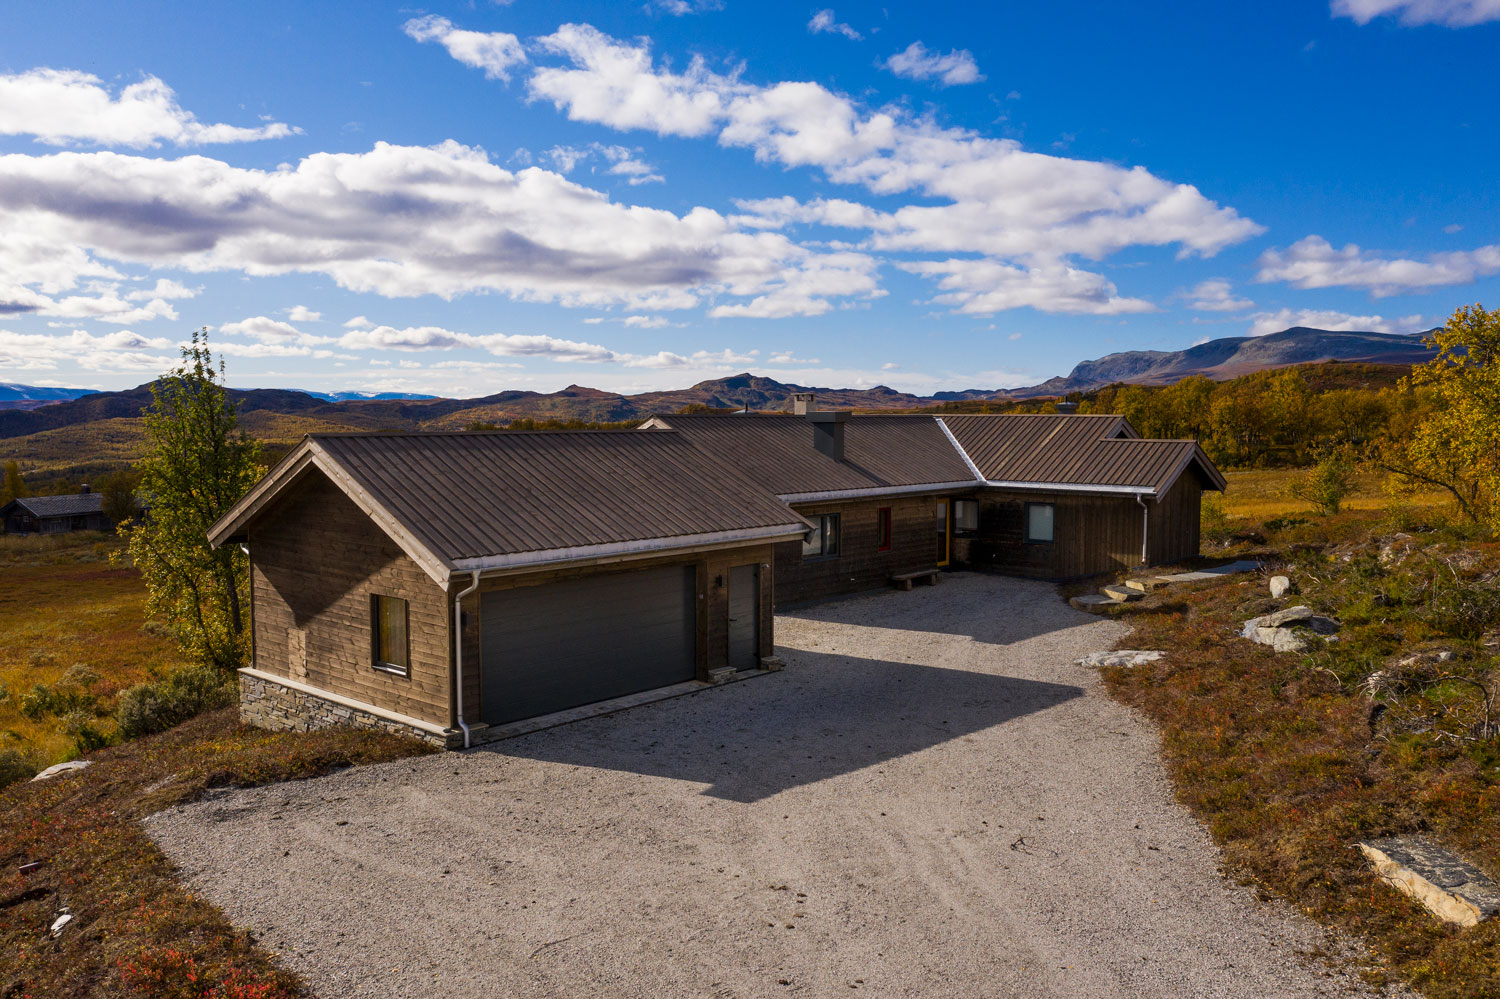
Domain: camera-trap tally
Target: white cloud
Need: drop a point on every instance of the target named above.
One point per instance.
(302, 314)
(61, 107)
(1014, 336)
(358, 323)
(823, 22)
(978, 195)
(495, 52)
(1322, 319)
(103, 302)
(266, 330)
(984, 287)
(1452, 13)
(165, 288)
(1314, 263)
(1453, 227)
(889, 366)
(645, 322)
(1215, 295)
(680, 8)
(787, 357)
(916, 63)
(399, 221)
(121, 350)
(623, 162)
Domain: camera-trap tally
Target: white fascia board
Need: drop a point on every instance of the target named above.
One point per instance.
(866, 492)
(637, 549)
(235, 517)
(1070, 487)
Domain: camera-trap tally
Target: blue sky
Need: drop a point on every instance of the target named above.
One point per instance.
(470, 197)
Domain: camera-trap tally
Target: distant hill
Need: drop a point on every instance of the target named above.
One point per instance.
(34, 396)
(351, 396)
(1231, 357)
(96, 424)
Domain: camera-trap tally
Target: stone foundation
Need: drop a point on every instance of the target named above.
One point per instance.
(286, 706)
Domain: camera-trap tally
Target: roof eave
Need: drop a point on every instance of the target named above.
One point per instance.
(630, 550)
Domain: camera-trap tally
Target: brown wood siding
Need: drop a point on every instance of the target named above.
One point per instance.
(1091, 534)
(315, 560)
(712, 570)
(860, 565)
(1175, 521)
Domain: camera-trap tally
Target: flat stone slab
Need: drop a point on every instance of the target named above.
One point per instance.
(1121, 657)
(1121, 593)
(1218, 572)
(1147, 585)
(62, 768)
(1095, 603)
(1449, 887)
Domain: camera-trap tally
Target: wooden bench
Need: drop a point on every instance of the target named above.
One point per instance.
(905, 579)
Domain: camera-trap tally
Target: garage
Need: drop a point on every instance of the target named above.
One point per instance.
(560, 645)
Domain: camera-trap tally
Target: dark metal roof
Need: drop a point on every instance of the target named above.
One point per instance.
(72, 505)
(475, 494)
(1095, 451)
(777, 452)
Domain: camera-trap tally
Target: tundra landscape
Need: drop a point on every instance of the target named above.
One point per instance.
(697, 499)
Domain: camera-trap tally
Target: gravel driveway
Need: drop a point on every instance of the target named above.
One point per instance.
(930, 800)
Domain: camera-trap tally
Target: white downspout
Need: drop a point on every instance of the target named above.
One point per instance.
(1145, 527)
(458, 650)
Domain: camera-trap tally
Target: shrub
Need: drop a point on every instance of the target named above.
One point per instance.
(72, 694)
(1327, 483)
(80, 725)
(16, 766)
(1461, 607)
(153, 707)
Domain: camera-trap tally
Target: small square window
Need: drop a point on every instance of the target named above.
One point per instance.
(965, 516)
(1039, 519)
(823, 539)
(390, 643)
(883, 529)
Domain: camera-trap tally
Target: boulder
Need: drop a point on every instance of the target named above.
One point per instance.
(62, 768)
(1280, 586)
(1285, 618)
(1447, 886)
(1121, 657)
(1280, 639)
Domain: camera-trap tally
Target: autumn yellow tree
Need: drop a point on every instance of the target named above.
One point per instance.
(1456, 446)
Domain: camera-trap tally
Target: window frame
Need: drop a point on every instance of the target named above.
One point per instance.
(1041, 541)
(965, 532)
(376, 662)
(824, 520)
(883, 529)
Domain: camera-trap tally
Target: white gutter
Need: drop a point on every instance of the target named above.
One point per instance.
(1145, 527)
(1070, 487)
(486, 563)
(838, 494)
(458, 650)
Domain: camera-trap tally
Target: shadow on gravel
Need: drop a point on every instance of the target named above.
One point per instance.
(825, 715)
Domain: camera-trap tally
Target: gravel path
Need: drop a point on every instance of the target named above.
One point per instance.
(930, 800)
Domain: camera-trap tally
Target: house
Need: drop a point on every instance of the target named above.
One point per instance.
(1053, 496)
(80, 511)
(448, 584)
(466, 586)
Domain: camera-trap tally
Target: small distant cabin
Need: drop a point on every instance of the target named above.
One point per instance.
(80, 511)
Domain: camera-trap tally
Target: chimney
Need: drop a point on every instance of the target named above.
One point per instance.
(802, 402)
(1066, 408)
(85, 490)
(828, 433)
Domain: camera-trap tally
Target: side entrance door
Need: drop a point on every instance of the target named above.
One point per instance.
(744, 616)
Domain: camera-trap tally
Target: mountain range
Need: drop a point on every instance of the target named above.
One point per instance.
(283, 413)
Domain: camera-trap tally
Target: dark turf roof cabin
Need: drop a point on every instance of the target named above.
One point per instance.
(83, 511)
(471, 585)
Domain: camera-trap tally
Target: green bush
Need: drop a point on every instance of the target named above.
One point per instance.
(16, 766)
(1463, 608)
(72, 694)
(153, 707)
(1327, 483)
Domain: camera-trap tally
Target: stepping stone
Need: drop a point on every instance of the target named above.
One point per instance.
(1147, 585)
(1449, 888)
(62, 768)
(1123, 593)
(1095, 603)
(1244, 565)
(1121, 657)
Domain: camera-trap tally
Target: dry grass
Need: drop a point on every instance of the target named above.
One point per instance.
(1289, 763)
(65, 608)
(135, 930)
(1266, 493)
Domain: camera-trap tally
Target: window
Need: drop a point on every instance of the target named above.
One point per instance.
(390, 646)
(965, 516)
(823, 540)
(883, 529)
(1039, 522)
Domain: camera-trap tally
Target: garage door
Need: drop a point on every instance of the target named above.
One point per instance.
(560, 645)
